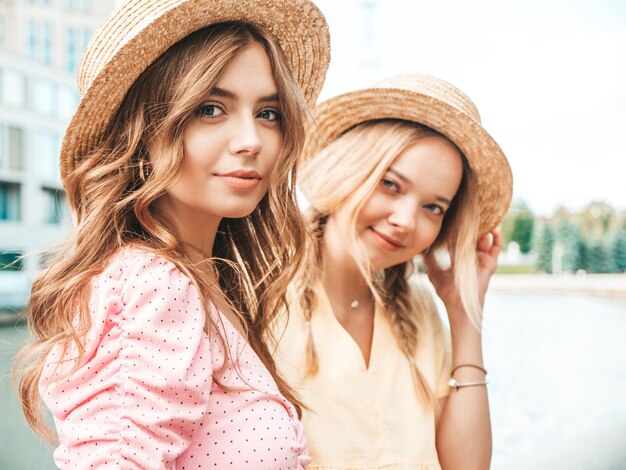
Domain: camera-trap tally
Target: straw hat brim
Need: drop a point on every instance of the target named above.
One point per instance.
(136, 34)
(485, 157)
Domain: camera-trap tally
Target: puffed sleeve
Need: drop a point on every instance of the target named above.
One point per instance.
(143, 383)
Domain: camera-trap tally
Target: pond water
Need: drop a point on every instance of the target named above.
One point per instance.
(557, 372)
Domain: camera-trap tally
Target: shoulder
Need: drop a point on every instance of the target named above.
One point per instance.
(138, 261)
(139, 288)
(134, 269)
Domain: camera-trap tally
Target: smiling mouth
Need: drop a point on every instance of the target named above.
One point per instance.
(387, 242)
(241, 179)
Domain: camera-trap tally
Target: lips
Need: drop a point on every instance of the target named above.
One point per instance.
(386, 241)
(241, 179)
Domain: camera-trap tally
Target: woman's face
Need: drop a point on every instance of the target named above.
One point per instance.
(405, 213)
(231, 144)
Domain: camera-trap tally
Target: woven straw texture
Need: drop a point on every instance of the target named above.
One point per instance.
(137, 33)
(437, 104)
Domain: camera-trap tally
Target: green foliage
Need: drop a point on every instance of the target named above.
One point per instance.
(544, 247)
(571, 240)
(593, 239)
(515, 269)
(597, 220)
(618, 251)
(523, 227)
(518, 226)
(599, 259)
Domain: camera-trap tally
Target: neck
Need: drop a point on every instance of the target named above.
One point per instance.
(195, 229)
(341, 277)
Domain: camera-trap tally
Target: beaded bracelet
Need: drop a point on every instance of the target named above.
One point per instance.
(456, 385)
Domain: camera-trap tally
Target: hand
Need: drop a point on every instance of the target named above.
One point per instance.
(487, 250)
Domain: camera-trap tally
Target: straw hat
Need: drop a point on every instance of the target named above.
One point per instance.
(137, 33)
(437, 104)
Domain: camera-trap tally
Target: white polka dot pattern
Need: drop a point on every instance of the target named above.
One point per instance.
(143, 394)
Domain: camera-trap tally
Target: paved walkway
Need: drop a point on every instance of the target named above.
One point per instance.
(605, 285)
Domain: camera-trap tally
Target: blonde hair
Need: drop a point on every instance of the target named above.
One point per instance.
(348, 171)
(112, 195)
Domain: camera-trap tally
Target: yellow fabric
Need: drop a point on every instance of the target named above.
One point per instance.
(367, 418)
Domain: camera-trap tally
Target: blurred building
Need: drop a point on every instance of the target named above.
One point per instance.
(40, 46)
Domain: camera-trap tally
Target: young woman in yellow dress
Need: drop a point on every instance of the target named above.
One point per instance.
(394, 174)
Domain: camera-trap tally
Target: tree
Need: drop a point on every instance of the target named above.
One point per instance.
(518, 226)
(544, 247)
(618, 251)
(570, 238)
(599, 259)
(597, 220)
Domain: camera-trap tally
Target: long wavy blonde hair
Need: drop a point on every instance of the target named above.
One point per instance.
(347, 172)
(112, 196)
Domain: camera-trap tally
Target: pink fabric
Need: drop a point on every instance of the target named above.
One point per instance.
(143, 395)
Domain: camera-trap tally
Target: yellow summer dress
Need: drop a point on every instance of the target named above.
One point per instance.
(364, 417)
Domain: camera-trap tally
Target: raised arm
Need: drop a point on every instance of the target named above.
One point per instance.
(464, 426)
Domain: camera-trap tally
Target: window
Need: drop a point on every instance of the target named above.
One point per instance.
(71, 50)
(9, 201)
(47, 150)
(13, 88)
(56, 211)
(11, 261)
(86, 38)
(2, 31)
(4, 161)
(15, 148)
(44, 97)
(46, 53)
(85, 6)
(31, 39)
(10, 156)
(68, 100)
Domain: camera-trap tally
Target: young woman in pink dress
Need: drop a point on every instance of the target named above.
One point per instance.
(178, 166)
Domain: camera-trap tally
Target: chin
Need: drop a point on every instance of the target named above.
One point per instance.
(379, 263)
(237, 212)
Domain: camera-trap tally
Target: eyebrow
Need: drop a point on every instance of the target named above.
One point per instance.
(406, 180)
(217, 91)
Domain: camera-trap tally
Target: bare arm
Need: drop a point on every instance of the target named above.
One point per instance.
(463, 422)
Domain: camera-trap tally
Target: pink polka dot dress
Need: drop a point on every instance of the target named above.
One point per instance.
(143, 394)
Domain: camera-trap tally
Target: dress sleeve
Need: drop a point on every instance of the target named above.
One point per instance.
(143, 384)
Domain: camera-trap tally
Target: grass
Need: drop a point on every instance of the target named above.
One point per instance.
(515, 269)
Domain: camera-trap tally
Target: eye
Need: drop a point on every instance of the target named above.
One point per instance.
(269, 115)
(435, 209)
(210, 111)
(390, 185)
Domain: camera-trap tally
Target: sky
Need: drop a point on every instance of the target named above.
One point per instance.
(548, 77)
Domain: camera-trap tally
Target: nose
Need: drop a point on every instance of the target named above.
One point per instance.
(245, 140)
(402, 216)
